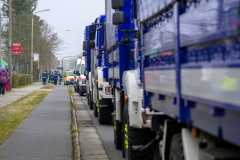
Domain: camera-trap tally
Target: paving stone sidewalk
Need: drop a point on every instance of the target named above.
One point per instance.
(90, 141)
(17, 94)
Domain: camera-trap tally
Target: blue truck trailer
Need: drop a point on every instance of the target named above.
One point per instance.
(174, 68)
(171, 70)
(100, 92)
(124, 68)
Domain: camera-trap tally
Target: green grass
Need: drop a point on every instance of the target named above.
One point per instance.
(73, 130)
(70, 90)
(48, 87)
(23, 86)
(13, 114)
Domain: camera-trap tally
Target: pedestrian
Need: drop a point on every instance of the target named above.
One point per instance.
(55, 78)
(49, 75)
(7, 84)
(44, 77)
(3, 79)
(52, 77)
(61, 77)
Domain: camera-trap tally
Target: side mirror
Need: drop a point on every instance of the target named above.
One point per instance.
(117, 4)
(118, 18)
(84, 53)
(91, 32)
(74, 72)
(77, 73)
(91, 45)
(84, 45)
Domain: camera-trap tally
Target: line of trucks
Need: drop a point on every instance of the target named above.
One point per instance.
(166, 73)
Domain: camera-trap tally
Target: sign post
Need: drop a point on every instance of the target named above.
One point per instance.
(36, 58)
(16, 48)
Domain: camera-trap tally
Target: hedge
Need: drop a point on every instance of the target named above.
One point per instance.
(20, 80)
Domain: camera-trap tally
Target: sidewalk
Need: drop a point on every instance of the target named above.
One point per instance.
(45, 133)
(17, 94)
(90, 142)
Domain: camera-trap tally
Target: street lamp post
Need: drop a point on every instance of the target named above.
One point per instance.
(10, 46)
(32, 46)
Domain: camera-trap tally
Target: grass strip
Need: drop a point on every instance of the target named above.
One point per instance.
(23, 86)
(13, 114)
(74, 130)
(48, 87)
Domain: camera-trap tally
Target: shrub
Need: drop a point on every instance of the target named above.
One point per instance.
(20, 80)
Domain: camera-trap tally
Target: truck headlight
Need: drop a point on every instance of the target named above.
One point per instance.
(108, 90)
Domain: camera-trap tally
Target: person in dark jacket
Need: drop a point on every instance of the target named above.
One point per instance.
(60, 78)
(52, 77)
(55, 78)
(49, 77)
(3, 79)
(44, 77)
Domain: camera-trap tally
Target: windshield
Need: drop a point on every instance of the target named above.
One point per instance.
(83, 69)
(78, 67)
(70, 73)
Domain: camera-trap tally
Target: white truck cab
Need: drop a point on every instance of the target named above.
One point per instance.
(79, 78)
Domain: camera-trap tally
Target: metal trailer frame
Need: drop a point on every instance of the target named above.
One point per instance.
(192, 74)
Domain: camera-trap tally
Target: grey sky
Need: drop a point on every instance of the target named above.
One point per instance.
(71, 15)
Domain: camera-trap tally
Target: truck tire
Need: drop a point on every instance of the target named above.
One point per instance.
(95, 110)
(87, 96)
(176, 148)
(117, 129)
(91, 103)
(117, 134)
(133, 136)
(81, 93)
(105, 115)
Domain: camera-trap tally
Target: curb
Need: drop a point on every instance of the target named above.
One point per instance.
(75, 136)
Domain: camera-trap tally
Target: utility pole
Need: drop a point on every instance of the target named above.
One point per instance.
(10, 46)
(32, 53)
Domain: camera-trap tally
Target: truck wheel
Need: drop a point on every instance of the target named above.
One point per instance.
(117, 134)
(105, 115)
(95, 109)
(117, 129)
(176, 148)
(77, 89)
(91, 104)
(133, 136)
(81, 93)
(87, 98)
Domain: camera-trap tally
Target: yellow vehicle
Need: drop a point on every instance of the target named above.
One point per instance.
(68, 77)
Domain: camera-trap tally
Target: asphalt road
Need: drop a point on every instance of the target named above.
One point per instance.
(45, 133)
(106, 133)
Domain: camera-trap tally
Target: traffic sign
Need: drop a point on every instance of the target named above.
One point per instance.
(36, 57)
(16, 48)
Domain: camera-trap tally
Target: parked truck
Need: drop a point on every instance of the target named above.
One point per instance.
(100, 92)
(181, 78)
(79, 77)
(173, 69)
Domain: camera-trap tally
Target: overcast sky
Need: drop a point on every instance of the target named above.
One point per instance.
(72, 15)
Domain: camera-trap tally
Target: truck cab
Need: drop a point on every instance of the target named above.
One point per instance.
(79, 77)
